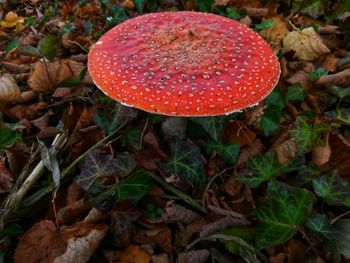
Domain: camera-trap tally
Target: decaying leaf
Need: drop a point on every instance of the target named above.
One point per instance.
(175, 213)
(339, 79)
(287, 150)
(12, 20)
(6, 180)
(9, 90)
(321, 154)
(306, 44)
(221, 2)
(275, 34)
(198, 256)
(134, 254)
(238, 132)
(44, 243)
(159, 236)
(47, 75)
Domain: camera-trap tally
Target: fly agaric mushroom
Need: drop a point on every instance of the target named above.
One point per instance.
(184, 64)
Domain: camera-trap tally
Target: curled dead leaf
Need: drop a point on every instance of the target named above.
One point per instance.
(198, 256)
(47, 75)
(9, 90)
(44, 243)
(339, 79)
(306, 44)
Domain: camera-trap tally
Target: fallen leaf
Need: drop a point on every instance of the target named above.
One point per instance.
(47, 75)
(26, 111)
(297, 251)
(339, 79)
(238, 132)
(13, 20)
(247, 152)
(257, 12)
(160, 236)
(174, 126)
(340, 154)
(161, 258)
(134, 254)
(221, 224)
(6, 181)
(9, 90)
(74, 211)
(175, 213)
(44, 243)
(306, 44)
(287, 150)
(221, 2)
(321, 154)
(123, 215)
(330, 63)
(198, 256)
(183, 236)
(275, 34)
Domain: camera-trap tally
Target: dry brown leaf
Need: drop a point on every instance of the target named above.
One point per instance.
(287, 150)
(222, 223)
(44, 78)
(26, 111)
(238, 132)
(81, 247)
(175, 213)
(221, 2)
(306, 44)
(257, 12)
(9, 90)
(275, 34)
(198, 256)
(160, 236)
(6, 181)
(330, 63)
(339, 79)
(321, 154)
(161, 258)
(246, 153)
(134, 254)
(44, 243)
(72, 212)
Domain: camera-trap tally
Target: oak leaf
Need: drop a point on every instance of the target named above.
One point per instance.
(306, 44)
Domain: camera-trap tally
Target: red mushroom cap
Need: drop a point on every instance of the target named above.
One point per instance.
(184, 64)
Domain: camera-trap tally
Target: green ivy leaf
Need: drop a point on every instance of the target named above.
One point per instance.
(48, 46)
(12, 45)
(111, 114)
(8, 137)
(321, 224)
(140, 5)
(285, 209)
(228, 151)
(342, 115)
(235, 13)
(205, 5)
(333, 189)
(315, 10)
(97, 166)
(212, 125)
(265, 24)
(295, 92)
(187, 163)
(316, 74)
(131, 138)
(125, 164)
(263, 168)
(135, 187)
(273, 113)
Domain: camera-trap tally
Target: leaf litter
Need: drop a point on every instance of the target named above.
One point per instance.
(271, 182)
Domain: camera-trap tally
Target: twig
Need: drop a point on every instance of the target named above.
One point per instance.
(184, 197)
(211, 181)
(17, 197)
